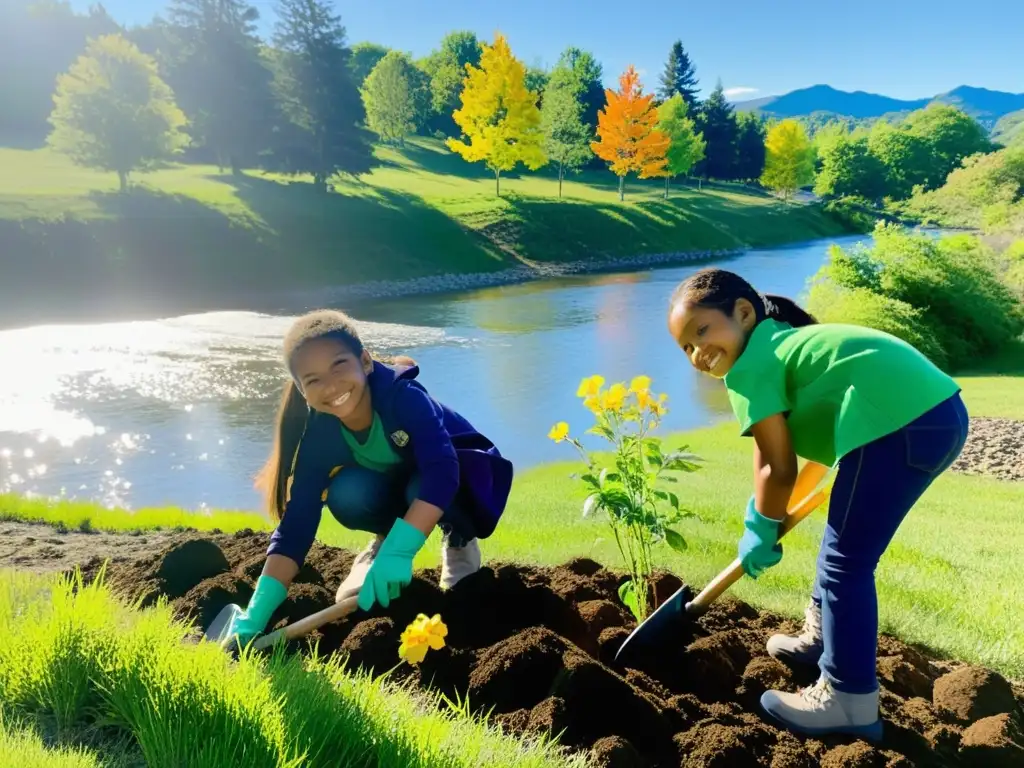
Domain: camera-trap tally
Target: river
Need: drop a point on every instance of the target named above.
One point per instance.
(179, 411)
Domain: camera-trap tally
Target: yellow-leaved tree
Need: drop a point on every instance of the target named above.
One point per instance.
(627, 134)
(500, 120)
(789, 158)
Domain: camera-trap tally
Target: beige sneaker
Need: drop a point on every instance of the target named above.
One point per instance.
(805, 648)
(360, 567)
(821, 710)
(459, 562)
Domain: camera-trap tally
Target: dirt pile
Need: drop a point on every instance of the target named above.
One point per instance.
(994, 447)
(534, 646)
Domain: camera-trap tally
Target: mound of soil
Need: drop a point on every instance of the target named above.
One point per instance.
(534, 647)
(994, 447)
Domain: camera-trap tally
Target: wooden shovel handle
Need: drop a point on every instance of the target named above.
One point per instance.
(304, 626)
(734, 572)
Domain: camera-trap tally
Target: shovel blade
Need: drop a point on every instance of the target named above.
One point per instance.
(666, 624)
(218, 629)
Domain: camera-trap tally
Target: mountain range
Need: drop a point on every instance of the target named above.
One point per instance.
(985, 105)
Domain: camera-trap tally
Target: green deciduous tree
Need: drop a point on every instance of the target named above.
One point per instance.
(499, 118)
(364, 57)
(679, 76)
(113, 112)
(587, 74)
(717, 122)
(952, 135)
(849, 168)
(446, 68)
(395, 96)
(789, 158)
(686, 145)
(905, 156)
(323, 135)
(566, 136)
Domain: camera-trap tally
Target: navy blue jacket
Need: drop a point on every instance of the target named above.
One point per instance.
(431, 439)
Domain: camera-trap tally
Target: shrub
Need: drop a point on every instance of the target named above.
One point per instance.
(953, 283)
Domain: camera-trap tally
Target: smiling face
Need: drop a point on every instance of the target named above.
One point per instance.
(711, 339)
(333, 380)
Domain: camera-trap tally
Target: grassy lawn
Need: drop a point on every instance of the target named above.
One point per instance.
(124, 689)
(423, 211)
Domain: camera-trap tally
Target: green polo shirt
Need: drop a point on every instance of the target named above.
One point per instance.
(375, 451)
(842, 386)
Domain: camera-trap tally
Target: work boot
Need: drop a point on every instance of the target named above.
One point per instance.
(459, 562)
(805, 648)
(360, 567)
(821, 710)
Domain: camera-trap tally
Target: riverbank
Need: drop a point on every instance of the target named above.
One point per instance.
(191, 238)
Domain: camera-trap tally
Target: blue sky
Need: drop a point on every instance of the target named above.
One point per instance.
(901, 48)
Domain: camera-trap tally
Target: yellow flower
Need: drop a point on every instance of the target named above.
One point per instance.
(559, 432)
(614, 398)
(644, 399)
(421, 635)
(593, 404)
(658, 407)
(640, 384)
(590, 386)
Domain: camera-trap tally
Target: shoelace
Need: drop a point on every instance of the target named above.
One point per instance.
(819, 693)
(812, 620)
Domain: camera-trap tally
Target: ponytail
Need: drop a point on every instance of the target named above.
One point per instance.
(787, 311)
(273, 479)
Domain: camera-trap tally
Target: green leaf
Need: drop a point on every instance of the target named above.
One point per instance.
(675, 540)
(663, 495)
(674, 501)
(590, 480)
(628, 596)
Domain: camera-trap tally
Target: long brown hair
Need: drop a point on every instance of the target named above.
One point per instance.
(293, 413)
(721, 289)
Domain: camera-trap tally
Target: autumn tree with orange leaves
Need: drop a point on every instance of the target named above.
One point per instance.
(627, 136)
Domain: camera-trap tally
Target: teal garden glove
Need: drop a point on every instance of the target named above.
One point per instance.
(269, 594)
(759, 548)
(392, 568)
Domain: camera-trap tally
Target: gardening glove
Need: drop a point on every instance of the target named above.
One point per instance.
(269, 594)
(759, 548)
(392, 568)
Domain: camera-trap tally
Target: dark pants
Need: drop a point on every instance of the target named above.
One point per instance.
(875, 487)
(363, 500)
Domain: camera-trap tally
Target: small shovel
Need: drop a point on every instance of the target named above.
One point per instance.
(218, 631)
(672, 617)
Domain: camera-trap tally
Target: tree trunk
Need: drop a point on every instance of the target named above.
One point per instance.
(122, 176)
(497, 183)
(622, 188)
(700, 184)
(561, 174)
(666, 187)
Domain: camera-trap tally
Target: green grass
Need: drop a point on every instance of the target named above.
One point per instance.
(423, 211)
(90, 672)
(22, 746)
(994, 389)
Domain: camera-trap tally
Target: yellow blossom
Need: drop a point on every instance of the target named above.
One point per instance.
(640, 384)
(614, 398)
(658, 407)
(421, 635)
(593, 404)
(590, 386)
(559, 432)
(644, 399)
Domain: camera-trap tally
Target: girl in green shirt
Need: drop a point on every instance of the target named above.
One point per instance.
(835, 395)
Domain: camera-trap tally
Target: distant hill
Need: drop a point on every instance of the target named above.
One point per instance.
(986, 106)
(1010, 129)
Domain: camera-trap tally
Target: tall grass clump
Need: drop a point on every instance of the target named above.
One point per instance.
(78, 662)
(22, 747)
(944, 295)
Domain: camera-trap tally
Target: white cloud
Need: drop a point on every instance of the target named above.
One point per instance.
(740, 91)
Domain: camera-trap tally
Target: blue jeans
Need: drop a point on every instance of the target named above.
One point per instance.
(363, 500)
(875, 487)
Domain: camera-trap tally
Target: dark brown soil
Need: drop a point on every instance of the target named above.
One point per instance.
(994, 447)
(533, 646)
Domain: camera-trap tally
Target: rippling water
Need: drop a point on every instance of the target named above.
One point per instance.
(179, 411)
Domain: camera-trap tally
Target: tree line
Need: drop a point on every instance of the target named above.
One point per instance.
(201, 82)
